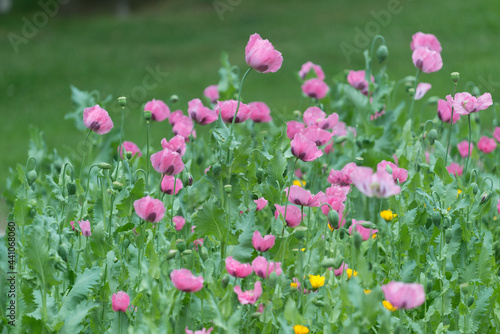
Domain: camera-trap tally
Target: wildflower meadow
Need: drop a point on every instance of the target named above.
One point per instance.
(357, 215)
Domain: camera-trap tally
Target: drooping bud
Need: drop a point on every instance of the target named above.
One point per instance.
(340, 139)
(71, 186)
(470, 301)
(300, 232)
(31, 176)
(187, 252)
(382, 53)
(228, 188)
(225, 281)
(273, 278)
(357, 239)
(475, 188)
(260, 174)
(436, 218)
(411, 91)
(432, 136)
(485, 197)
(204, 253)
(171, 254)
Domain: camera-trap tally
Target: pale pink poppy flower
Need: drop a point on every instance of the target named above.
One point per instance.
(316, 116)
(299, 196)
(379, 184)
(250, 296)
(167, 185)
(261, 203)
(455, 168)
(465, 103)
(261, 55)
(293, 215)
(263, 269)
(340, 270)
(149, 209)
(376, 115)
(342, 177)
(167, 162)
(426, 60)
(338, 191)
(175, 117)
(85, 228)
(404, 295)
(262, 244)
(400, 174)
(317, 135)
(305, 149)
(339, 129)
(184, 280)
(198, 242)
(486, 145)
(307, 67)
(315, 88)
(428, 41)
(260, 112)
(292, 128)
(237, 269)
(202, 331)
(184, 127)
(427, 156)
(444, 111)
(159, 110)
(299, 173)
(179, 222)
(201, 114)
(129, 146)
(228, 108)
(176, 144)
(496, 134)
(357, 79)
(329, 148)
(463, 148)
(366, 233)
(212, 93)
(120, 301)
(422, 89)
(97, 119)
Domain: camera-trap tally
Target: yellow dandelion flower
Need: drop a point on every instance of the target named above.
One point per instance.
(294, 285)
(374, 235)
(459, 192)
(299, 329)
(387, 215)
(317, 281)
(299, 183)
(389, 306)
(367, 291)
(351, 273)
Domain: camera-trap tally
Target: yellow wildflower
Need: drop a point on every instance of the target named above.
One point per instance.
(294, 285)
(300, 183)
(387, 215)
(374, 235)
(367, 291)
(389, 306)
(317, 281)
(459, 192)
(299, 329)
(351, 273)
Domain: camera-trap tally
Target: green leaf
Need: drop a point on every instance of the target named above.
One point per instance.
(56, 190)
(73, 321)
(241, 157)
(125, 228)
(276, 168)
(211, 220)
(244, 250)
(98, 240)
(80, 290)
(126, 206)
(38, 259)
(481, 304)
(406, 272)
(21, 212)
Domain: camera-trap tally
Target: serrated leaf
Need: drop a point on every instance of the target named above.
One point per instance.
(21, 212)
(56, 190)
(125, 207)
(38, 259)
(80, 290)
(481, 304)
(275, 169)
(243, 251)
(73, 321)
(406, 272)
(211, 220)
(98, 240)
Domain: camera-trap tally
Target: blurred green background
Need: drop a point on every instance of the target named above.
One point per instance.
(86, 44)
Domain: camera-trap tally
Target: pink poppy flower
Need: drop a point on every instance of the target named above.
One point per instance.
(250, 296)
(260, 112)
(261, 203)
(159, 110)
(184, 280)
(404, 295)
(428, 41)
(292, 128)
(237, 269)
(317, 135)
(201, 114)
(262, 244)
(129, 146)
(427, 156)
(228, 108)
(260, 309)
(455, 168)
(300, 196)
(203, 331)
(85, 227)
(465, 103)
(496, 134)
(97, 119)
(184, 127)
(261, 55)
(340, 129)
(422, 88)
(293, 215)
(149, 209)
(198, 242)
(299, 173)
(379, 184)
(486, 145)
(212, 93)
(338, 191)
(167, 162)
(307, 67)
(337, 205)
(179, 222)
(176, 144)
(463, 148)
(400, 174)
(175, 117)
(315, 88)
(305, 149)
(263, 269)
(342, 177)
(376, 115)
(167, 185)
(316, 116)
(498, 207)
(338, 272)
(366, 233)
(444, 111)
(72, 223)
(426, 60)
(120, 301)
(357, 79)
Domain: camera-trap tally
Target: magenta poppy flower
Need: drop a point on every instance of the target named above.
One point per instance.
(149, 209)
(342, 177)
(263, 269)
(184, 127)
(357, 79)
(212, 93)
(317, 135)
(201, 114)
(175, 117)
(260, 112)
(338, 191)
(498, 207)
(444, 111)
(315, 116)
(262, 244)
(72, 223)
(315, 88)
(198, 242)
(293, 215)
(261, 55)
(305, 149)
(159, 110)
(307, 67)
(300, 196)
(455, 168)
(228, 108)
(292, 128)
(379, 184)
(184, 280)
(465, 103)
(85, 227)
(237, 269)
(496, 134)
(260, 308)
(338, 272)
(167, 162)
(203, 331)
(97, 119)
(261, 203)
(120, 301)
(250, 296)
(404, 295)
(463, 148)
(129, 146)
(428, 41)
(366, 233)
(426, 60)
(486, 145)
(400, 174)
(179, 222)
(422, 89)
(176, 144)
(167, 185)
(376, 115)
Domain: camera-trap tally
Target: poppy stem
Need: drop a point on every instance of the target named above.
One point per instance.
(451, 125)
(148, 128)
(468, 155)
(239, 99)
(413, 97)
(84, 153)
(290, 176)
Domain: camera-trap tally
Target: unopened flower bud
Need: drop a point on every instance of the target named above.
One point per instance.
(71, 186)
(171, 254)
(128, 155)
(126, 243)
(187, 252)
(433, 100)
(411, 91)
(180, 244)
(465, 288)
(174, 99)
(432, 136)
(475, 188)
(340, 139)
(485, 197)
(382, 53)
(470, 301)
(31, 176)
(297, 114)
(327, 262)
(225, 281)
(357, 239)
(448, 235)
(147, 115)
(455, 76)
(333, 218)
(475, 91)
(273, 278)
(104, 165)
(117, 185)
(256, 315)
(122, 101)
(436, 218)
(300, 232)
(260, 174)
(204, 253)
(228, 188)
(429, 286)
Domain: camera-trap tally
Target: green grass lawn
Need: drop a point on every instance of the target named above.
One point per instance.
(185, 39)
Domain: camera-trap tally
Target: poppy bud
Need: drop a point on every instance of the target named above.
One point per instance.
(485, 197)
(357, 239)
(104, 165)
(436, 218)
(225, 281)
(228, 188)
(429, 286)
(432, 136)
(260, 174)
(475, 188)
(411, 91)
(300, 232)
(382, 53)
(340, 139)
(204, 253)
(117, 186)
(31, 176)
(255, 315)
(122, 101)
(475, 91)
(448, 234)
(455, 76)
(174, 99)
(126, 243)
(180, 244)
(171, 254)
(470, 301)
(128, 155)
(147, 115)
(187, 252)
(71, 186)
(327, 262)
(465, 288)
(333, 218)
(273, 279)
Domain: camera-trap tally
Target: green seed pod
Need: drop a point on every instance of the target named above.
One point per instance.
(470, 301)
(171, 254)
(180, 244)
(455, 76)
(128, 155)
(31, 176)
(300, 232)
(273, 279)
(436, 218)
(432, 136)
(147, 115)
(71, 186)
(333, 218)
(357, 239)
(475, 188)
(117, 186)
(174, 99)
(104, 165)
(448, 234)
(187, 252)
(228, 188)
(382, 53)
(122, 101)
(225, 281)
(204, 253)
(260, 174)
